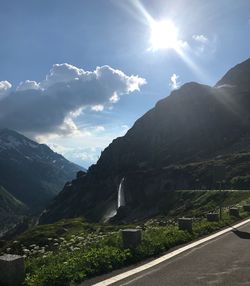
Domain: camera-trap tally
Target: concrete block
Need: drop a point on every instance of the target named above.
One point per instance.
(185, 224)
(213, 217)
(11, 270)
(246, 208)
(131, 238)
(234, 212)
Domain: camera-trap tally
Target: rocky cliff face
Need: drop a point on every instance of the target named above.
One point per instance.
(32, 172)
(179, 144)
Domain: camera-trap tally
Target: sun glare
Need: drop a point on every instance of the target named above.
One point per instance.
(164, 35)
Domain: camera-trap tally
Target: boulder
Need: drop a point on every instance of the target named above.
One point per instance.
(131, 238)
(213, 217)
(234, 212)
(185, 224)
(11, 270)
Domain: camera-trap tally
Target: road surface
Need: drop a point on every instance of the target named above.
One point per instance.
(222, 261)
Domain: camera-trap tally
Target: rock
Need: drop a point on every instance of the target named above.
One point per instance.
(80, 174)
(234, 212)
(11, 270)
(213, 217)
(131, 238)
(185, 224)
(246, 208)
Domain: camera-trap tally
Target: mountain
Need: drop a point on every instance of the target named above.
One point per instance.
(196, 138)
(32, 172)
(11, 211)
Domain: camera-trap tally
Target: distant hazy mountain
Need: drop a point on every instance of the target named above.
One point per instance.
(198, 137)
(32, 172)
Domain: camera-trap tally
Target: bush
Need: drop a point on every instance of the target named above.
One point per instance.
(67, 268)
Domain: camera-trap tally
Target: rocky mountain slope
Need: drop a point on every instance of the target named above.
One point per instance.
(196, 138)
(32, 172)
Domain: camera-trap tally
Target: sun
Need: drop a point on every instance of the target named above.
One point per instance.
(164, 35)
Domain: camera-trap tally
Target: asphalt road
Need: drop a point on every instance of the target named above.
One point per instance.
(221, 261)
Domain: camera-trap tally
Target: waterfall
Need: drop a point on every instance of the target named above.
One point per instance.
(112, 210)
(121, 197)
(110, 213)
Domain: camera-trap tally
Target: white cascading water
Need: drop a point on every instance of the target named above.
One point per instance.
(112, 211)
(121, 197)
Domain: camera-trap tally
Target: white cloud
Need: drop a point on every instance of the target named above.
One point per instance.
(28, 84)
(174, 84)
(134, 83)
(200, 38)
(203, 44)
(63, 73)
(114, 98)
(76, 112)
(97, 107)
(51, 105)
(68, 126)
(5, 87)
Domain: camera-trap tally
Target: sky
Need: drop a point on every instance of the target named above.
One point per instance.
(77, 74)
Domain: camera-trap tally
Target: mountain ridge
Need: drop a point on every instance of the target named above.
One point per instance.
(177, 144)
(30, 171)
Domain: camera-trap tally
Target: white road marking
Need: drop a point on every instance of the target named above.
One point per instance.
(166, 256)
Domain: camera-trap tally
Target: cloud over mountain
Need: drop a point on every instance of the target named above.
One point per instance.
(4, 88)
(50, 105)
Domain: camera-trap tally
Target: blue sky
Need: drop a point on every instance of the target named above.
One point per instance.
(116, 36)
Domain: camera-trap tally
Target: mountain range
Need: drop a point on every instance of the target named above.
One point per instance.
(196, 138)
(31, 173)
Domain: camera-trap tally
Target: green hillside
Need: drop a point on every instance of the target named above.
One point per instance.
(11, 210)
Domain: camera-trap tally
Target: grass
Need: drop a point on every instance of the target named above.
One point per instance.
(72, 250)
(196, 203)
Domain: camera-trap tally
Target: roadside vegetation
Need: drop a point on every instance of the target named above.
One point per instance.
(72, 250)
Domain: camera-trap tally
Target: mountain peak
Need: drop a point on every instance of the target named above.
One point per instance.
(238, 76)
(10, 139)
